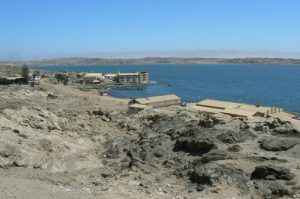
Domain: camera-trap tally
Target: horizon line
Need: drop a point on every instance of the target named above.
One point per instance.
(146, 57)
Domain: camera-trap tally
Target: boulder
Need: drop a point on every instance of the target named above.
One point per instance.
(234, 148)
(271, 189)
(51, 96)
(211, 120)
(269, 172)
(232, 137)
(212, 173)
(286, 131)
(214, 155)
(103, 114)
(195, 145)
(278, 144)
(46, 145)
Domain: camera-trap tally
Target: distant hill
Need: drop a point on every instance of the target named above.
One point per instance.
(154, 60)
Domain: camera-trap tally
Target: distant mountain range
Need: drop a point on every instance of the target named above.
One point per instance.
(152, 60)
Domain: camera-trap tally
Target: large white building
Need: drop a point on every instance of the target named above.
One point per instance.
(92, 78)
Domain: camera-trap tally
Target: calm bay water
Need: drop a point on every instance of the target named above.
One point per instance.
(271, 85)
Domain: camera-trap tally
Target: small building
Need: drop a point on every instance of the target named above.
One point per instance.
(35, 79)
(91, 78)
(238, 109)
(154, 102)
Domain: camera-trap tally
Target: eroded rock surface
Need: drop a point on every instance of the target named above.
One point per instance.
(278, 144)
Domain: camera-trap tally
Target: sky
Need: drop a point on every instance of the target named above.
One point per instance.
(36, 29)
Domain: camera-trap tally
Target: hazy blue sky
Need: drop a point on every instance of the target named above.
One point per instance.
(44, 28)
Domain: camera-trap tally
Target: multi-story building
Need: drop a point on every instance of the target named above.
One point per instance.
(121, 78)
(133, 78)
(144, 77)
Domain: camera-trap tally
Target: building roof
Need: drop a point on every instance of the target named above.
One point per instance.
(285, 114)
(233, 105)
(233, 108)
(92, 75)
(217, 104)
(150, 100)
(206, 109)
(141, 106)
(109, 75)
(239, 112)
(254, 107)
(124, 74)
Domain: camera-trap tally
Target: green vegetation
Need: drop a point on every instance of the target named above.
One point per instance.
(4, 81)
(62, 78)
(25, 74)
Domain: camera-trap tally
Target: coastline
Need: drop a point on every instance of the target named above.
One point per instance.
(153, 60)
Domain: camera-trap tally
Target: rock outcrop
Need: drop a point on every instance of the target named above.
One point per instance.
(271, 172)
(278, 144)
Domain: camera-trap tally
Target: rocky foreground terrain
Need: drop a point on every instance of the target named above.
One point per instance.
(57, 141)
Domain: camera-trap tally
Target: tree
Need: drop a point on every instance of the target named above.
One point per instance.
(61, 77)
(25, 74)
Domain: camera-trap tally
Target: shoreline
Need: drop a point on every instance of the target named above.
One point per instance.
(156, 60)
(164, 64)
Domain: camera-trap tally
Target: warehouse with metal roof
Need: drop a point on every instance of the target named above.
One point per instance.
(237, 109)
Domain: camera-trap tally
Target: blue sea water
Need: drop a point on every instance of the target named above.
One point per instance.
(271, 85)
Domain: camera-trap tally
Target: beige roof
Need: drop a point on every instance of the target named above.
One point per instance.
(232, 108)
(141, 106)
(206, 109)
(239, 112)
(254, 107)
(217, 104)
(284, 114)
(232, 105)
(150, 100)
